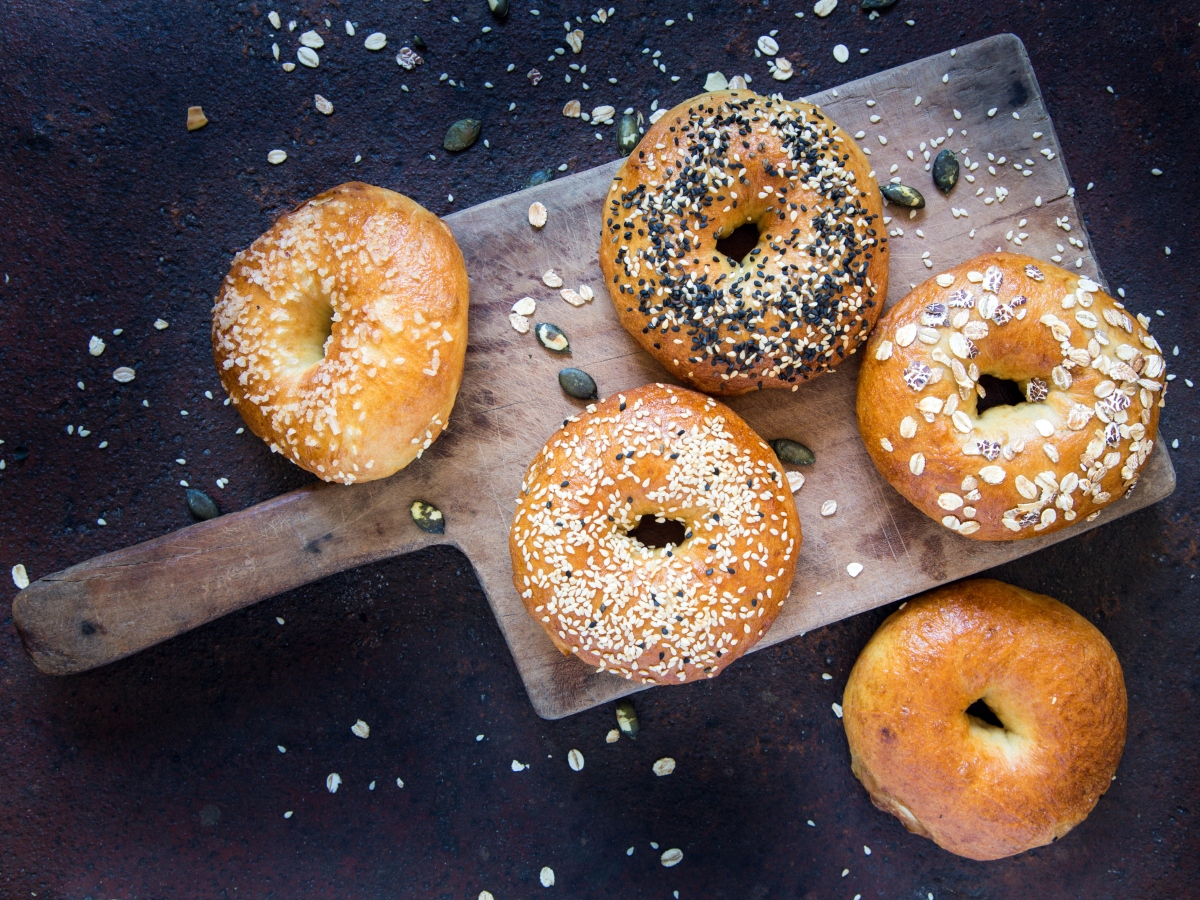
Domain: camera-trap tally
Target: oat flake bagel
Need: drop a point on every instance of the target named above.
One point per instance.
(977, 789)
(659, 615)
(340, 333)
(1091, 376)
(802, 300)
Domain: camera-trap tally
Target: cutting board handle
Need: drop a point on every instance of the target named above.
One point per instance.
(117, 604)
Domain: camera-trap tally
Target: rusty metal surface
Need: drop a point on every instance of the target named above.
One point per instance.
(161, 776)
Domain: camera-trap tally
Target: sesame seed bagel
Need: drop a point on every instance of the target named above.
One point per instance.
(659, 615)
(976, 788)
(1089, 382)
(340, 333)
(802, 300)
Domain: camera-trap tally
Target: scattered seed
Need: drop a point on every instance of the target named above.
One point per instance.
(333, 782)
(853, 570)
(674, 856)
(537, 215)
(275, 157)
(408, 59)
(945, 170)
(526, 306)
(461, 135)
(546, 876)
(825, 7)
(273, 18)
(552, 337)
(841, 53)
(196, 118)
(715, 81)
(428, 517)
(95, 346)
(361, 729)
(828, 508)
(312, 39)
(499, 8)
(20, 577)
(519, 323)
(578, 384)
(612, 737)
(903, 195)
(795, 481)
(575, 760)
(202, 506)
(573, 109)
(793, 452)
(627, 134)
(124, 374)
(308, 57)
(552, 279)
(664, 766)
(627, 719)
(323, 106)
(375, 41)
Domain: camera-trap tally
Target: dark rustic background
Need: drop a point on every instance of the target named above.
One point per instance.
(160, 776)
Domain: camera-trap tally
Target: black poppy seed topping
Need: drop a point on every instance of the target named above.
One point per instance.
(653, 613)
(796, 305)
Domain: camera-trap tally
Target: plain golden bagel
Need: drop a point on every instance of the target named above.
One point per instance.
(808, 293)
(340, 333)
(975, 788)
(1088, 380)
(661, 615)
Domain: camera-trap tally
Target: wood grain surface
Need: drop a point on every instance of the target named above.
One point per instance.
(510, 403)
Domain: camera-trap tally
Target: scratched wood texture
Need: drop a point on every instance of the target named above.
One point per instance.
(510, 403)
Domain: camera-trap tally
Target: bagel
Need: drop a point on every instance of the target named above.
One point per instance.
(1091, 381)
(802, 300)
(659, 615)
(340, 333)
(977, 789)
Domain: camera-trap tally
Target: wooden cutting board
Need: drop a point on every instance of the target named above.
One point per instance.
(510, 403)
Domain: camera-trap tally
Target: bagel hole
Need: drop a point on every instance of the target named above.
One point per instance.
(984, 714)
(739, 242)
(313, 350)
(655, 535)
(998, 392)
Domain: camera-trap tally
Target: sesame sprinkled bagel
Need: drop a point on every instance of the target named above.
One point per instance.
(667, 614)
(1007, 398)
(986, 718)
(340, 333)
(798, 303)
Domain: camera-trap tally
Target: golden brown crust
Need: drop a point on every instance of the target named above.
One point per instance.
(340, 333)
(976, 790)
(665, 615)
(799, 306)
(1013, 471)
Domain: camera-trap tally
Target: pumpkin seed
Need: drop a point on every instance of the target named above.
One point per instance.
(627, 135)
(868, 5)
(551, 337)
(419, 42)
(539, 177)
(499, 8)
(578, 383)
(903, 195)
(945, 170)
(428, 517)
(627, 719)
(793, 452)
(202, 506)
(461, 135)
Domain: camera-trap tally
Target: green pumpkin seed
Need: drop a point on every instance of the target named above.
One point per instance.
(945, 170)
(539, 177)
(903, 195)
(499, 8)
(627, 719)
(461, 135)
(627, 135)
(552, 337)
(578, 383)
(419, 42)
(868, 5)
(202, 506)
(793, 452)
(428, 517)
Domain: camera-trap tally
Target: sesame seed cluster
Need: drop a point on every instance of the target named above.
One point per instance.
(1092, 379)
(802, 300)
(340, 333)
(659, 615)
